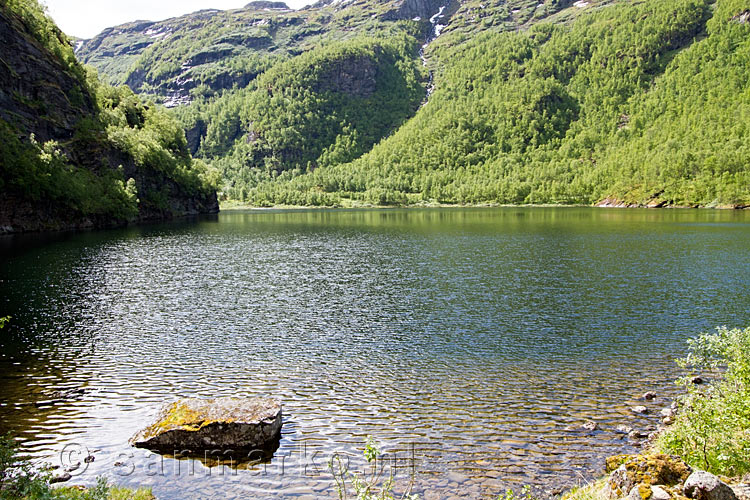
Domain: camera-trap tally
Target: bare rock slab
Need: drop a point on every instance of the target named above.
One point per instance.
(207, 424)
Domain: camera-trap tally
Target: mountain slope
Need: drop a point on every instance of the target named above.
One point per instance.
(641, 103)
(74, 153)
(619, 102)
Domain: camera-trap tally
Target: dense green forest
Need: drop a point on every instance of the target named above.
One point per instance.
(640, 102)
(88, 149)
(323, 108)
(630, 102)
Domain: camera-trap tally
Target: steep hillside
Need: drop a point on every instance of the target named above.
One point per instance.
(618, 102)
(74, 153)
(640, 103)
(325, 107)
(199, 55)
(267, 93)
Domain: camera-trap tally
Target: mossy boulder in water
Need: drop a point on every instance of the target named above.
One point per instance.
(207, 424)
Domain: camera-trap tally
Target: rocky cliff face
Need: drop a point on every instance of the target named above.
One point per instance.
(45, 99)
(37, 92)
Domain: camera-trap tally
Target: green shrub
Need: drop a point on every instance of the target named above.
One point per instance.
(712, 430)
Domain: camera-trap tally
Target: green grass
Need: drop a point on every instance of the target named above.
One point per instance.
(105, 492)
(19, 480)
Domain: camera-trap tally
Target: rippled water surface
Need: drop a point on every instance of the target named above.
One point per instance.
(470, 342)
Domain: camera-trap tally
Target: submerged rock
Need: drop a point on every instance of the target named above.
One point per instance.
(636, 434)
(703, 485)
(61, 478)
(207, 424)
(590, 426)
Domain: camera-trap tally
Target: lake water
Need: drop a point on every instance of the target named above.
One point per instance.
(470, 342)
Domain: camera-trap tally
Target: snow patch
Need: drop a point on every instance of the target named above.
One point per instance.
(156, 34)
(581, 4)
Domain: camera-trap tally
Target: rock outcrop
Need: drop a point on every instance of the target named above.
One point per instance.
(643, 472)
(654, 476)
(208, 424)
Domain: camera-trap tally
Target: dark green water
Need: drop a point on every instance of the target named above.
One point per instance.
(470, 339)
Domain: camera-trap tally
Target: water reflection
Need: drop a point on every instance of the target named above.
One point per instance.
(475, 340)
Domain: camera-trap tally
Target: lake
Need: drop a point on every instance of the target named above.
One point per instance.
(472, 343)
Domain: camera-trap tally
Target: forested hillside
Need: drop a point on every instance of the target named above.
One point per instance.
(326, 84)
(77, 153)
(636, 103)
(629, 102)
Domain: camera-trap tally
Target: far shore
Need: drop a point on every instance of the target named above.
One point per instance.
(228, 206)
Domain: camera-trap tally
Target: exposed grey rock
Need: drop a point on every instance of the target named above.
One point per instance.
(742, 491)
(623, 429)
(667, 412)
(659, 493)
(206, 424)
(703, 485)
(634, 494)
(641, 410)
(645, 471)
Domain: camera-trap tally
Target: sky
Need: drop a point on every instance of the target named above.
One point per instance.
(87, 18)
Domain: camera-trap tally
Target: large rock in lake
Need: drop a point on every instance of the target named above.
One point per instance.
(207, 424)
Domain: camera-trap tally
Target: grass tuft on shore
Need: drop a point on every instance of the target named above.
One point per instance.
(596, 490)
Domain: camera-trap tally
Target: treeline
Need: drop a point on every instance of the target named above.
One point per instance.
(77, 168)
(641, 102)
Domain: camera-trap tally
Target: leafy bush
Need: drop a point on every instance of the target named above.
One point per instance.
(712, 430)
(79, 174)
